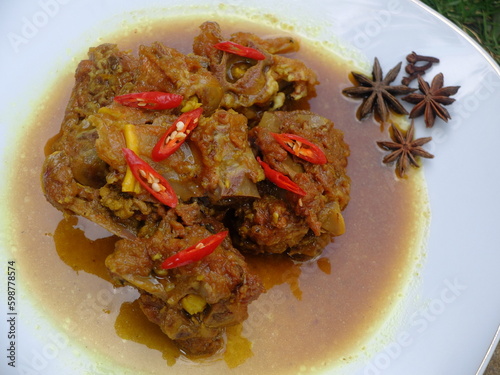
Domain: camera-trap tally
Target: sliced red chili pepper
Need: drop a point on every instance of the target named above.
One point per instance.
(238, 49)
(151, 180)
(150, 100)
(301, 147)
(176, 134)
(196, 252)
(280, 179)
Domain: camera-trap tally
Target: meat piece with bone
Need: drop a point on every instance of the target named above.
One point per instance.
(286, 222)
(194, 303)
(267, 83)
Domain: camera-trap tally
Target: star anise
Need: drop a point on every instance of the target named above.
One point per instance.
(377, 92)
(404, 149)
(430, 102)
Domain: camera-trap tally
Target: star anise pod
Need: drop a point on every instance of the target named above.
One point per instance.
(377, 92)
(430, 102)
(404, 149)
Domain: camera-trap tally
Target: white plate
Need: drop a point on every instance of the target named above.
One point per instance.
(454, 323)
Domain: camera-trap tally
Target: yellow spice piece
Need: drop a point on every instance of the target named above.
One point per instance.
(191, 104)
(157, 256)
(130, 184)
(109, 111)
(339, 225)
(193, 304)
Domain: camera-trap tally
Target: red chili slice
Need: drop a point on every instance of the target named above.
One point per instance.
(301, 147)
(151, 180)
(280, 179)
(176, 134)
(196, 252)
(150, 100)
(238, 49)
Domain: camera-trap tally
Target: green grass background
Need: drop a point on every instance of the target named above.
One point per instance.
(478, 18)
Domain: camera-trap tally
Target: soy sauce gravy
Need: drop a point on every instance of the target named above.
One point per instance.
(314, 315)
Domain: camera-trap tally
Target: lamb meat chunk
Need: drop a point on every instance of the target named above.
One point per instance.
(109, 72)
(191, 336)
(88, 169)
(69, 196)
(216, 160)
(180, 169)
(166, 69)
(106, 73)
(192, 304)
(330, 178)
(97, 81)
(229, 168)
(91, 135)
(284, 221)
(123, 214)
(267, 83)
(268, 225)
(74, 176)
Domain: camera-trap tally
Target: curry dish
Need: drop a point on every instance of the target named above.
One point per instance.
(316, 304)
(233, 111)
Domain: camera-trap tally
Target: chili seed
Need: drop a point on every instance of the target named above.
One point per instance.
(179, 126)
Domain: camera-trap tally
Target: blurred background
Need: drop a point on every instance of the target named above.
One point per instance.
(478, 18)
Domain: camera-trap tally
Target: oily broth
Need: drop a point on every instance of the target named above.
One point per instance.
(314, 315)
